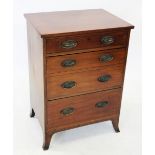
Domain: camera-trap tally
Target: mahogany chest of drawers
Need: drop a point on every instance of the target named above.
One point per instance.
(77, 63)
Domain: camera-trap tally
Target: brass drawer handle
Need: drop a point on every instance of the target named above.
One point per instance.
(67, 111)
(69, 44)
(68, 63)
(101, 104)
(68, 84)
(106, 58)
(104, 78)
(107, 40)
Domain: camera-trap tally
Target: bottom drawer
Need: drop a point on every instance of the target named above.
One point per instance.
(84, 109)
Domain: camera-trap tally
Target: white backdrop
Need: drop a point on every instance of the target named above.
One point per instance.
(95, 139)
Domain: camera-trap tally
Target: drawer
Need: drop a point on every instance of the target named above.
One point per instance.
(83, 109)
(85, 60)
(87, 41)
(76, 83)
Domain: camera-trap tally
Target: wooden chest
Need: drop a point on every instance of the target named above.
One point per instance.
(77, 62)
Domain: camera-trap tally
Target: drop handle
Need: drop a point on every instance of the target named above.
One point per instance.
(101, 104)
(104, 78)
(68, 84)
(106, 58)
(68, 63)
(68, 44)
(106, 40)
(67, 111)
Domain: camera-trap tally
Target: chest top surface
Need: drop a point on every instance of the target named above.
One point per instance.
(47, 23)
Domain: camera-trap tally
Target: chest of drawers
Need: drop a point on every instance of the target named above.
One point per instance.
(77, 63)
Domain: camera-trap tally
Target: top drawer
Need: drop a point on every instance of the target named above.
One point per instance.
(103, 40)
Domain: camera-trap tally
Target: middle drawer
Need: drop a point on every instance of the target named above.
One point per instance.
(76, 83)
(85, 60)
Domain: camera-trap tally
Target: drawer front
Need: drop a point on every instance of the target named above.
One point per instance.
(75, 83)
(87, 41)
(85, 60)
(83, 109)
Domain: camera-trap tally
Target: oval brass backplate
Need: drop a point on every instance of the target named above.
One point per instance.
(106, 40)
(67, 111)
(68, 63)
(68, 84)
(106, 58)
(101, 104)
(69, 44)
(104, 78)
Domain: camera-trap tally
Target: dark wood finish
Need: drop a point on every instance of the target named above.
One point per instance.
(32, 113)
(85, 61)
(77, 63)
(85, 82)
(62, 22)
(115, 122)
(87, 41)
(36, 73)
(47, 140)
(84, 108)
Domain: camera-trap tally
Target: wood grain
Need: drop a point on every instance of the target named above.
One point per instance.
(46, 34)
(87, 41)
(51, 23)
(85, 61)
(36, 73)
(85, 82)
(84, 108)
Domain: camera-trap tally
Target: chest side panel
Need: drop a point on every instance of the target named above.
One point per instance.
(36, 72)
